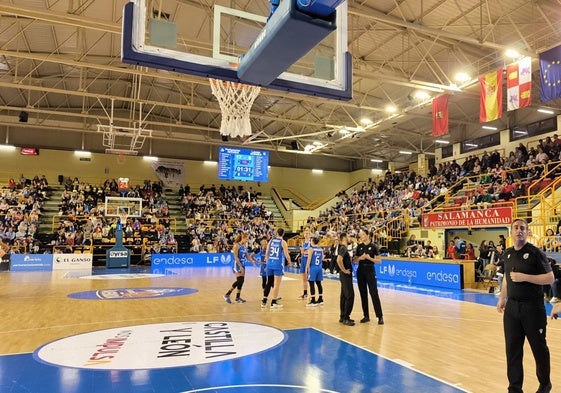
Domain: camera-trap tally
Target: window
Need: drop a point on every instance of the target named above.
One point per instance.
(482, 142)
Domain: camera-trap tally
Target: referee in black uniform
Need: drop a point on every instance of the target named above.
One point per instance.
(347, 298)
(366, 253)
(526, 271)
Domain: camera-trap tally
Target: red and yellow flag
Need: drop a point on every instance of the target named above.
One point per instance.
(491, 99)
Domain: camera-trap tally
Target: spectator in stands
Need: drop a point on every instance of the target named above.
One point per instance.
(460, 246)
(549, 242)
(451, 250)
(484, 254)
(411, 244)
(470, 252)
(429, 249)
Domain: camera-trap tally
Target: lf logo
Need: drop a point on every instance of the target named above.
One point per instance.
(388, 269)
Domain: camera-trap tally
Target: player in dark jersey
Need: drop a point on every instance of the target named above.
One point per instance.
(240, 258)
(259, 256)
(314, 271)
(526, 271)
(303, 262)
(277, 254)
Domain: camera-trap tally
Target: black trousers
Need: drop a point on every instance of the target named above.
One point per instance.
(525, 319)
(347, 298)
(367, 283)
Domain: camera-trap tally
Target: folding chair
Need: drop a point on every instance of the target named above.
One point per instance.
(489, 273)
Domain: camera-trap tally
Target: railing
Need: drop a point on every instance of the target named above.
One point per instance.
(61, 218)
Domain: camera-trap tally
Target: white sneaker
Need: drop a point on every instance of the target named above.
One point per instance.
(276, 305)
(554, 300)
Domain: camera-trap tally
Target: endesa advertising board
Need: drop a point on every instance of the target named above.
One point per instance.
(441, 275)
(161, 262)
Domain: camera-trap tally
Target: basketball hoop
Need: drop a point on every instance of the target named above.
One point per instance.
(235, 101)
(122, 219)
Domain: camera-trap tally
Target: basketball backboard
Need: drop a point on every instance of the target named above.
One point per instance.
(122, 206)
(186, 37)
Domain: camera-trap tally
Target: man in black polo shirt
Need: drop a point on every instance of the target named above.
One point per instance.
(347, 297)
(526, 271)
(366, 256)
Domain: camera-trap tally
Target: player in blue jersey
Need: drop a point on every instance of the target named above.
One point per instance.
(240, 258)
(314, 271)
(277, 254)
(304, 261)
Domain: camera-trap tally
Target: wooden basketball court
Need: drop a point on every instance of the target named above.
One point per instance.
(452, 337)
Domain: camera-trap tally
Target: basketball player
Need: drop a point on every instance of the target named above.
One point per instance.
(277, 253)
(526, 271)
(240, 258)
(303, 263)
(314, 271)
(259, 258)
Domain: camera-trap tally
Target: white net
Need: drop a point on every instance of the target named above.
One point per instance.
(235, 101)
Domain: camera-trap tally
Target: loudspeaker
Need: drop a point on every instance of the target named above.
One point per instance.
(23, 116)
(224, 138)
(294, 145)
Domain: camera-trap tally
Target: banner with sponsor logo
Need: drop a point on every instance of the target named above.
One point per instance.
(160, 262)
(490, 217)
(441, 275)
(31, 262)
(72, 261)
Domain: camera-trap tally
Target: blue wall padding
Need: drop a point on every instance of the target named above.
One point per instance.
(320, 8)
(288, 35)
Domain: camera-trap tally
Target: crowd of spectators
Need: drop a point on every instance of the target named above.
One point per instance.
(491, 177)
(20, 211)
(215, 214)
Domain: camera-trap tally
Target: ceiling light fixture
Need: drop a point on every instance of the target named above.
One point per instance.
(83, 153)
(422, 95)
(442, 141)
(513, 53)
(462, 77)
(547, 111)
(405, 152)
(471, 145)
(489, 128)
(391, 109)
(365, 121)
(375, 160)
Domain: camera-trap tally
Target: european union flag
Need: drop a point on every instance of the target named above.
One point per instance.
(550, 74)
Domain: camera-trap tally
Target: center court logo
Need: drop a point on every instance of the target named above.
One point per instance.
(162, 345)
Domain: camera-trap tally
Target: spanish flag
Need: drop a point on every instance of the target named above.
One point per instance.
(491, 99)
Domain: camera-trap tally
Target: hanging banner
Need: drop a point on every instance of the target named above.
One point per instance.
(489, 217)
(171, 173)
